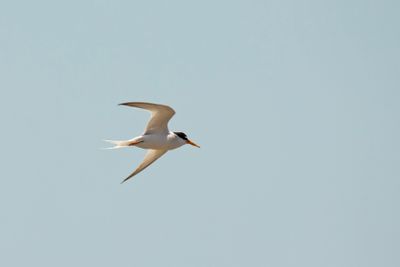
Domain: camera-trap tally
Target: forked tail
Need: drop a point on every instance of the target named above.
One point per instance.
(118, 144)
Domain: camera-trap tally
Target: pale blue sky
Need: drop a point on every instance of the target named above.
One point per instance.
(295, 105)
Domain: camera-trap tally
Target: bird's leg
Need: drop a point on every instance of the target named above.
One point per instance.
(135, 143)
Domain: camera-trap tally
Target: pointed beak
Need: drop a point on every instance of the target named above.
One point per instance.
(192, 143)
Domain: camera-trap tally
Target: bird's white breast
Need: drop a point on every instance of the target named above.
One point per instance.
(161, 141)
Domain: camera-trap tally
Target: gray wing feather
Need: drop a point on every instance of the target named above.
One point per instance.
(151, 156)
(160, 116)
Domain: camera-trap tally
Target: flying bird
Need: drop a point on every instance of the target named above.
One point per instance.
(157, 138)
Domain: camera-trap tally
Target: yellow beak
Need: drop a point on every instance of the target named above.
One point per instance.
(192, 143)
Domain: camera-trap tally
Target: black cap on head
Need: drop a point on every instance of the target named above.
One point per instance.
(181, 135)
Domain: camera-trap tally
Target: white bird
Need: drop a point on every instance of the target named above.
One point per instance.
(157, 139)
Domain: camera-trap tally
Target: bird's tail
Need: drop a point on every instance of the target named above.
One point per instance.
(118, 144)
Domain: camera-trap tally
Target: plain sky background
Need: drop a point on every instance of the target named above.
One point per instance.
(295, 105)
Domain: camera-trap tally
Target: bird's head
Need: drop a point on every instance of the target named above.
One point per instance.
(184, 137)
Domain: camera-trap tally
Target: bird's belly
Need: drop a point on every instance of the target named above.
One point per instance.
(154, 142)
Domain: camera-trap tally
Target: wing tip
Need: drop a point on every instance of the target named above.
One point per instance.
(139, 104)
(126, 179)
(133, 104)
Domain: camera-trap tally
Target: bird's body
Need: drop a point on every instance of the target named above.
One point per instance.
(167, 141)
(157, 139)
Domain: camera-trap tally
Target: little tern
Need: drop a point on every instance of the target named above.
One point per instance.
(157, 138)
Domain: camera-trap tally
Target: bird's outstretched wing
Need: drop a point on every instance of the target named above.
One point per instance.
(151, 156)
(160, 116)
